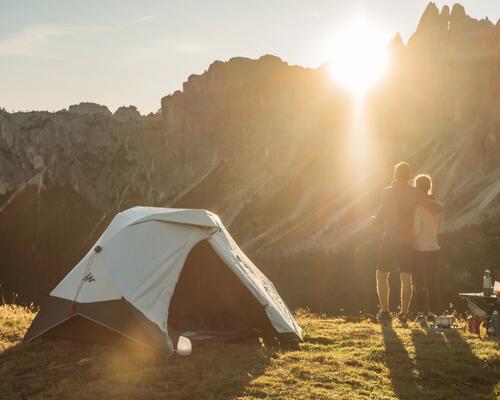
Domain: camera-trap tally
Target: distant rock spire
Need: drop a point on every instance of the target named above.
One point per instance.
(431, 28)
(458, 11)
(445, 12)
(461, 25)
(397, 41)
(430, 11)
(429, 17)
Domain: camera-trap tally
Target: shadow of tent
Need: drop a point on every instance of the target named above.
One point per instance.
(214, 371)
(463, 375)
(400, 366)
(321, 340)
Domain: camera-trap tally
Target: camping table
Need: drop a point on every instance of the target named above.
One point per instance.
(486, 303)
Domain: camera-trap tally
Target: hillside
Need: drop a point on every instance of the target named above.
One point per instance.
(340, 359)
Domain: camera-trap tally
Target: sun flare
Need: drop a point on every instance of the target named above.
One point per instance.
(359, 56)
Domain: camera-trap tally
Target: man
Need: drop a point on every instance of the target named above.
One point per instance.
(397, 211)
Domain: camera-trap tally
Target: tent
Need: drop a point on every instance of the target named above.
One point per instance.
(158, 273)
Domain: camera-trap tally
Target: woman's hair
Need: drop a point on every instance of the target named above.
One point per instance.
(424, 183)
(402, 172)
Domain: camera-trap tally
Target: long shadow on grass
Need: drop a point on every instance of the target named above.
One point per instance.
(447, 367)
(213, 371)
(400, 366)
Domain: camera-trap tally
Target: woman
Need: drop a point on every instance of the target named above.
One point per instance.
(426, 255)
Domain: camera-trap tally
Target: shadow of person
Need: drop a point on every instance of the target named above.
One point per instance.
(400, 365)
(85, 370)
(447, 368)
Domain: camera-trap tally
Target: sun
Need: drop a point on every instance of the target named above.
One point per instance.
(359, 56)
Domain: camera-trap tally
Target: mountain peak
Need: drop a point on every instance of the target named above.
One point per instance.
(458, 11)
(445, 12)
(430, 10)
(432, 26)
(397, 42)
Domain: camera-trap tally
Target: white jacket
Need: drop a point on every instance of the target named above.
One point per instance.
(426, 226)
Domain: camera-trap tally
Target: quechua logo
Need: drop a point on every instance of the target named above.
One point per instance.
(88, 278)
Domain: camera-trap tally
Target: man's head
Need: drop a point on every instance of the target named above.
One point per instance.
(402, 172)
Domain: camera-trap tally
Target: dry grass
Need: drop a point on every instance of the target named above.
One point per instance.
(340, 359)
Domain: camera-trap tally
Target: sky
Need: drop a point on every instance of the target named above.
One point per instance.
(54, 53)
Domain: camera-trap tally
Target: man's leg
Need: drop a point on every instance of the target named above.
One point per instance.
(384, 263)
(405, 269)
(383, 290)
(406, 291)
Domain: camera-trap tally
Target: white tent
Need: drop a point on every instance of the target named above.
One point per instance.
(153, 264)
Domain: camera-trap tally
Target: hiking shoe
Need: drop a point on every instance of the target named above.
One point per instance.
(403, 318)
(384, 317)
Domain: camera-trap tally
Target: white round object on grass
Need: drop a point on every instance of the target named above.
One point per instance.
(184, 347)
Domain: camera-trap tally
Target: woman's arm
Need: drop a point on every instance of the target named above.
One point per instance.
(434, 206)
(417, 222)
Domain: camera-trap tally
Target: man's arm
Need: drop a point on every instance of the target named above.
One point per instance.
(434, 206)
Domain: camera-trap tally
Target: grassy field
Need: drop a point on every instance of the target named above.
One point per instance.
(340, 359)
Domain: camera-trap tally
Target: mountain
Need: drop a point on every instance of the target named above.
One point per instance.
(279, 151)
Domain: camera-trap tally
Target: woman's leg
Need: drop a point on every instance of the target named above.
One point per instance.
(418, 281)
(431, 273)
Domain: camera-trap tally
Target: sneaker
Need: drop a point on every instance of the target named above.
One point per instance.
(384, 317)
(403, 318)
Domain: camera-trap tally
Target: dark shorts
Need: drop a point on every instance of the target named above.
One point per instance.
(394, 257)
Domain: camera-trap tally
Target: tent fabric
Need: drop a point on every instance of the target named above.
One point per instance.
(117, 316)
(261, 287)
(136, 263)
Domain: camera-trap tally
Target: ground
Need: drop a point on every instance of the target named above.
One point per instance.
(341, 358)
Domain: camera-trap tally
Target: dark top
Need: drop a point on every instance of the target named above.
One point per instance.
(397, 210)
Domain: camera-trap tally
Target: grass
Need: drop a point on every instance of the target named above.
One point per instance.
(340, 359)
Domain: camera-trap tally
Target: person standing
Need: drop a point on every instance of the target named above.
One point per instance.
(397, 210)
(426, 254)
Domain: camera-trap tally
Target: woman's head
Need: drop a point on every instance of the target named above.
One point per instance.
(402, 172)
(424, 183)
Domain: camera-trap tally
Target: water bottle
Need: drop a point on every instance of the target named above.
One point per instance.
(496, 322)
(487, 290)
(493, 323)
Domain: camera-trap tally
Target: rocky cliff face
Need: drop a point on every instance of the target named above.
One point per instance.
(274, 149)
(129, 113)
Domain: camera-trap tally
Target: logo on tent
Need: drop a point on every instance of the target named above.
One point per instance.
(88, 278)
